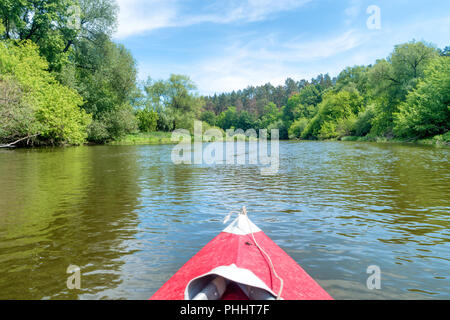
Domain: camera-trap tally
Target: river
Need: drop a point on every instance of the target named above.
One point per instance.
(130, 218)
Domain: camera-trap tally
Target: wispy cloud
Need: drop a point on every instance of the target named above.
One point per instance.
(231, 52)
(268, 60)
(353, 10)
(139, 16)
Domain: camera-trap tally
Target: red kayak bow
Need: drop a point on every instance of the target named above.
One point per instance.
(241, 263)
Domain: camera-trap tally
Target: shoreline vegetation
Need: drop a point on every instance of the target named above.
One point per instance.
(162, 138)
(63, 85)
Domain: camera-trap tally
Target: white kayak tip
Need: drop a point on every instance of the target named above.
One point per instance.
(242, 225)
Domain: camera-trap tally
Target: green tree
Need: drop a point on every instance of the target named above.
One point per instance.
(147, 120)
(46, 108)
(106, 78)
(228, 119)
(209, 117)
(175, 101)
(335, 107)
(302, 104)
(57, 25)
(426, 111)
(354, 77)
(393, 78)
(245, 120)
(297, 128)
(272, 114)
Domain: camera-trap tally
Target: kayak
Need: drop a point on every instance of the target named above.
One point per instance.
(241, 263)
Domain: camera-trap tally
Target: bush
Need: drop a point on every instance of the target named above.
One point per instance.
(56, 115)
(113, 124)
(209, 117)
(297, 127)
(363, 123)
(17, 119)
(426, 111)
(328, 130)
(147, 120)
(346, 126)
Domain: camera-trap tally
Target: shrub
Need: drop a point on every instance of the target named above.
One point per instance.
(297, 127)
(147, 120)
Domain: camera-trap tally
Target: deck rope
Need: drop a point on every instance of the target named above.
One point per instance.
(244, 212)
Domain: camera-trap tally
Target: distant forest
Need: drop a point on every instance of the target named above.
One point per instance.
(66, 83)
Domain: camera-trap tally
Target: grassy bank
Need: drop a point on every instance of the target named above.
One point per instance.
(158, 137)
(154, 138)
(145, 138)
(439, 140)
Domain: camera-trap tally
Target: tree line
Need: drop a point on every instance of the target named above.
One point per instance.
(65, 84)
(405, 96)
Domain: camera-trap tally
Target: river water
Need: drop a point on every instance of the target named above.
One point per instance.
(130, 218)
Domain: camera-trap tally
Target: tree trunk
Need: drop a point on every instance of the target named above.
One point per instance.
(12, 144)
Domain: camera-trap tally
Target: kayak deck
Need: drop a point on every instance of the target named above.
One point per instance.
(235, 251)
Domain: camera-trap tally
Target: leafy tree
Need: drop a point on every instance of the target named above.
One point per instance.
(228, 119)
(297, 127)
(335, 106)
(302, 104)
(363, 124)
(271, 115)
(245, 121)
(57, 25)
(17, 118)
(391, 80)
(426, 111)
(113, 124)
(47, 108)
(354, 77)
(175, 98)
(106, 78)
(147, 120)
(209, 117)
(445, 52)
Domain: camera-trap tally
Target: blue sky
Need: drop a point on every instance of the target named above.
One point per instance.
(226, 45)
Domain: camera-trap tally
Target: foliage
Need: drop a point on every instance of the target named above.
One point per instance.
(113, 124)
(391, 80)
(17, 118)
(63, 84)
(57, 25)
(426, 111)
(228, 119)
(335, 106)
(147, 120)
(363, 124)
(56, 115)
(209, 117)
(106, 78)
(297, 127)
(174, 100)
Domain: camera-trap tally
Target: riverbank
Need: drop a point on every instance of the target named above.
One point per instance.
(439, 140)
(150, 138)
(155, 138)
(158, 137)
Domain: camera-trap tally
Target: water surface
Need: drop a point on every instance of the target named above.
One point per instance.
(130, 218)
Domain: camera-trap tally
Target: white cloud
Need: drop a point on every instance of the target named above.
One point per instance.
(252, 59)
(268, 60)
(139, 16)
(353, 10)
